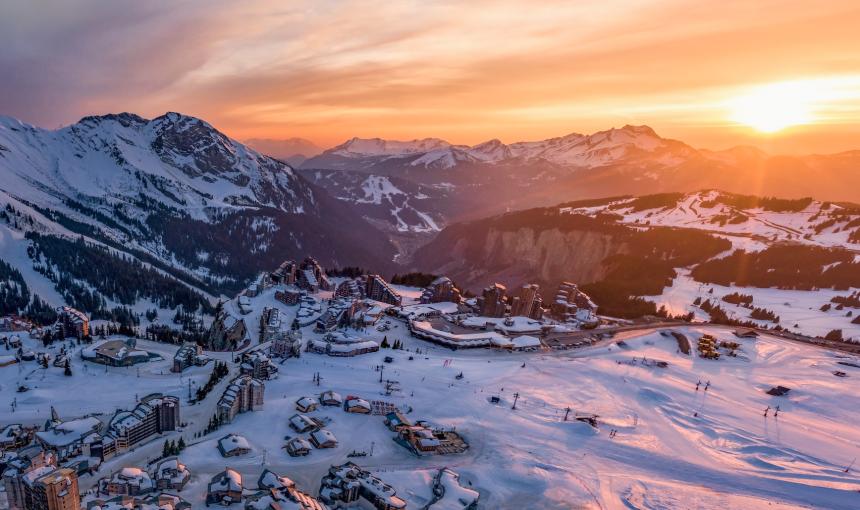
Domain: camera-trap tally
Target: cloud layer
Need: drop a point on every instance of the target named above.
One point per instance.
(466, 71)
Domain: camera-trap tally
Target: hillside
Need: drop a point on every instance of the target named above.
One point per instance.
(673, 251)
(453, 183)
(170, 193)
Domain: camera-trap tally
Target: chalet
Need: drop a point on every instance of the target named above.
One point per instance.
(422, 439)
(68, 438)
(302, 423)
(14, 342)
(128, 481)
(396, 421)
(345, 484)
(331, 398)
(307, 404)
(115, 353)
(357, 405)
(233, 445)
(161, 501)
(15, 436)
(339, 343)
(189, 354)
(171, 474)
(745, 333)
(225, 488)
(227, 332)
(323, 438)
(280, 493)
(298, 447)
(257, 364)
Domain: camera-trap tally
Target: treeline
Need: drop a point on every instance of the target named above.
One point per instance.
(14, 293)
(117, 277)
(348, 272)
(648, 268)
(736, 298)
(416, 279)
(208, 284)
(165, 334)
(717, 315)
(852, 300)
(219, 371)
(646, 202)
(783, 266)
(767, 203)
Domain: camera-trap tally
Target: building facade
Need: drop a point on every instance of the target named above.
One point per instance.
(491, 303)
(244, 393)
(378, 289)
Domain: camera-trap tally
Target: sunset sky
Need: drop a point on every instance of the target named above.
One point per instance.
(783, 75)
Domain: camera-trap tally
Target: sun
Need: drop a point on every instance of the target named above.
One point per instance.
(771, 108)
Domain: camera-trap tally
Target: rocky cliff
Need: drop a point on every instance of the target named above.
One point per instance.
(512, 249)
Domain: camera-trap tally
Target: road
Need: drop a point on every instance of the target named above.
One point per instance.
(568, 340)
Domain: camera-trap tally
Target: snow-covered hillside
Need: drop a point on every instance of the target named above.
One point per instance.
(179, 161)
(751, 223)
(171, 192)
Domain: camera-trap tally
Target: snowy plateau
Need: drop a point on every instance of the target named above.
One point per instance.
(658, 441)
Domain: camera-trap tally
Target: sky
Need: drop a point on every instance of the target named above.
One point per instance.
(781, 75)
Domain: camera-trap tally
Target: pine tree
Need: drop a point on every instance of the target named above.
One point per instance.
(68, 369)
(385, 342)
(165, 450)
(181, 445)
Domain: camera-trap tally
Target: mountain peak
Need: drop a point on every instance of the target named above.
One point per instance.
(640, 130)
(380, 147)
(125, 119)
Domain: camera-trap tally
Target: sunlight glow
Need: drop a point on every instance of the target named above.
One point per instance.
(774, 107)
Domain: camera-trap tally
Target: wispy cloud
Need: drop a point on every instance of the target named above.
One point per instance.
(327, 70)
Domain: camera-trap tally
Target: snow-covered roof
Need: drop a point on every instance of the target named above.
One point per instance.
(322, 436)
(69, 432)
(233, 442)
(306, 402)
(358, 402)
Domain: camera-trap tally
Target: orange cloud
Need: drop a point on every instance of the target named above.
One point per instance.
(465, 71)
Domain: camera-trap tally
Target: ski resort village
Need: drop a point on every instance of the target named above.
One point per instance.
(317, 388)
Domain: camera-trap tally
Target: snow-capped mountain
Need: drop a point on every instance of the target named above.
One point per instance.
(176, 160)
(573, 150)
(176, 193)
(459, 182)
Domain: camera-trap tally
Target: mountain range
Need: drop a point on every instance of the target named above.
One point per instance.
(451, 183)
(175, 192)
(175, 195)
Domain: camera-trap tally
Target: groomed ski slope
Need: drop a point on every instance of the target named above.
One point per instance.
(675, 447)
